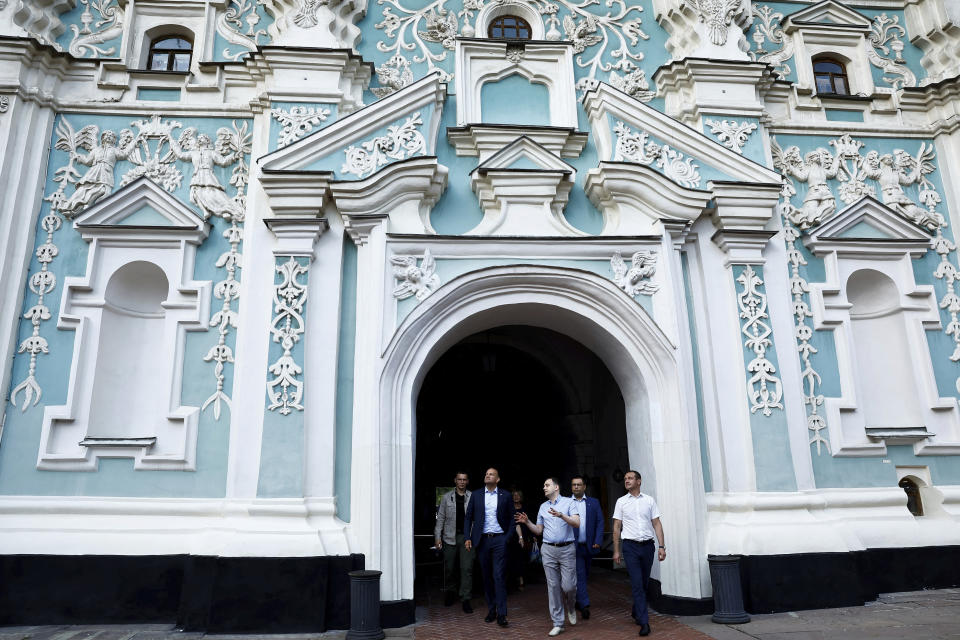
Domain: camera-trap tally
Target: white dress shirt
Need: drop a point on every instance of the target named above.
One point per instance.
(490, 524)
(637, 514)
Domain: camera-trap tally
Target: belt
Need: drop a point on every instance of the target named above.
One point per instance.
(558, 544)
(647, 541)
(491, 535)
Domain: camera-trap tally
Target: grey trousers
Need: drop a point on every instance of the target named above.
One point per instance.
(450, 553)
(560, 568)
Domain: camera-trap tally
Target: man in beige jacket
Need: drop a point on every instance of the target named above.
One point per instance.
(448, 536)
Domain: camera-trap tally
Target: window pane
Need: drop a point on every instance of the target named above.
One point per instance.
(824, 85)
(827, 66)
(158, 62)
(840, 85)
(181, 62)
(496, 31)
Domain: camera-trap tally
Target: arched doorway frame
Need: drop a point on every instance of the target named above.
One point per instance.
(587, 308)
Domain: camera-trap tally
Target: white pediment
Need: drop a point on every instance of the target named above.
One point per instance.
(419, 105)
(525, 154)
(870, 226)
(142, 204)
(827, 13)
(606, 106)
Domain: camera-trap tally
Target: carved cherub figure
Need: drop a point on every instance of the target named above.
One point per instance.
(98, 181)
(815, 169)
(393, 75)
(899, 169)
(205, 189)
(412, 279)
(636, 279)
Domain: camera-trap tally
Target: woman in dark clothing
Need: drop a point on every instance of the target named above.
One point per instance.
(518, 549)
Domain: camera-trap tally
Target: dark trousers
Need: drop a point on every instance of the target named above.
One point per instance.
(638, 557)
(450, 554)
(583, 572)
(492, 553)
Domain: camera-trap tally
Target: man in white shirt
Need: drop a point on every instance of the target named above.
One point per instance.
(555, 522)
(636, 519)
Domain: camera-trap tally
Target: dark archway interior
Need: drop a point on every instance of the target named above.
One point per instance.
(529, 401)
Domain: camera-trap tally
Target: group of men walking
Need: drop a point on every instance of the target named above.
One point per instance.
(483, 522)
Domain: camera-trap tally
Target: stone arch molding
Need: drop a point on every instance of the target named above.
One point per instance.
(582, 305)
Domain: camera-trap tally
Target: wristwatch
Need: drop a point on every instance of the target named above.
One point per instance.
(663, 547)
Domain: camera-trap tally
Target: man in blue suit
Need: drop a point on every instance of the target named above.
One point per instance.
(487, 525)
(589, 536)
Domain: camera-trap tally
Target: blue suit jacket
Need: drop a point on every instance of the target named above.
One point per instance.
(475, 515)
(594, 525)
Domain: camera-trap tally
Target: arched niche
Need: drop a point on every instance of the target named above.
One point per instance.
(515, 99)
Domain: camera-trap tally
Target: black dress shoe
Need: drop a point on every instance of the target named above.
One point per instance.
(466, 607)
(491, 616)
(644, 629)
(502, 621)
(585, 612)
(449, 598)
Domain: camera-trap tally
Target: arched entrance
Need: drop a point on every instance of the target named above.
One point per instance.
(661, 431)
(531, 402)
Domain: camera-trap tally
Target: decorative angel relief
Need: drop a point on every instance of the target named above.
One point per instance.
(764, 387)
(297, 122)
(602, 42)
(636, 146)
(401, 142)
(635, 280)
(414, 280)
(393, 75)
(731, 134)
(285, 390)
(107, 20)
(767, 27)
(153, 151)
(717, 15)
(885, 34)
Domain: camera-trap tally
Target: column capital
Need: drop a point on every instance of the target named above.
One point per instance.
(296, 236)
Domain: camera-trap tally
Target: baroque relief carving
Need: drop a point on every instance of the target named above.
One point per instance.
(107, 25)
(306, 15)
(717, 15)
(413, 279)
(4, 104)
(153, 152)
(636, 146)
(885, 34)
(285, 390)
(297, 122)
(401, 141)
(764, 387)
(731, 134)
(767, 27)
(393, 75)
(230, 25)
(635, 280)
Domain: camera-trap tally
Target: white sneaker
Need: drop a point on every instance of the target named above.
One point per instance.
(555, 631)
(572, 616)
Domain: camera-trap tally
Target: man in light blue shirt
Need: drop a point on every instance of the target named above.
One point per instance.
(555, 521)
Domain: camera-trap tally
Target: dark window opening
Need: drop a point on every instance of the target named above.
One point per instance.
(509, 28)
(831, 77)
(170, 54)
(914, 504)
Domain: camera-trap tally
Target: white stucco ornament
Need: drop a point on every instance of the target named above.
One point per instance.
(401, 141)
(107, 19)
(635, 279)
(636, 146)
(717, 15)
(285, 390)
(297, 122)
(815, 168)
(885, 34)
(205, 189)
(767, 28)
(393, 75)
(731, 134)
(764, 387)
(4, 104)
(413, 279)
(306, 15)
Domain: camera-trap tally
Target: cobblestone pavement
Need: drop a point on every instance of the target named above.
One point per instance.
(529, 618)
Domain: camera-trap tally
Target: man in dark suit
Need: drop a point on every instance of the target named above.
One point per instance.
(589, 536)
(487, 525)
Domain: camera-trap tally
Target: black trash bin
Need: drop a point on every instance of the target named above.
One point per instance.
(727, 597)
(365, 606)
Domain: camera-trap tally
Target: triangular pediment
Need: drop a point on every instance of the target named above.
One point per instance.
(609, 110)
(525, 154)
(346, 148)
(142, 204)
(866, 222)
(828, 13)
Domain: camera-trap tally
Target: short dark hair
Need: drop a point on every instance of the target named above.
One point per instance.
(579, 477)
(554, 480)
(458, 473)
(636, 474)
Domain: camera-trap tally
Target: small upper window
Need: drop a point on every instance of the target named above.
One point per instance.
(831, 76)
(170, 54)
(509, 28)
